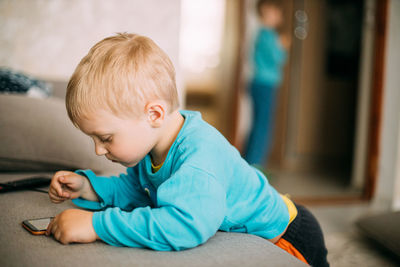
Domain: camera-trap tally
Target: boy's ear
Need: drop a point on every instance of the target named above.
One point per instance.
(155, 112)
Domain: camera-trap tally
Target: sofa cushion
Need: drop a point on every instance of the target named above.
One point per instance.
(37, 135)
(20, 248)
(383, 228)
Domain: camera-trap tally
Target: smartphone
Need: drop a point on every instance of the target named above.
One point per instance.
(37, 226)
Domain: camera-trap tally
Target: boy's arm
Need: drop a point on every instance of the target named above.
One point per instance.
(123, 191)
(191, 208)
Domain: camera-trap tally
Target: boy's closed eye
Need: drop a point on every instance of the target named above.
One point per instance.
(105, 139)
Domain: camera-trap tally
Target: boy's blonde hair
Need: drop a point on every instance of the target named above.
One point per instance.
(122, 73)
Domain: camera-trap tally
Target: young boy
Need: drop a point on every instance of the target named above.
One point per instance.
(184, 181)
(268, 58)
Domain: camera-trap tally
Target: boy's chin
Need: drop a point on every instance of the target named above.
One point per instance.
(125, 164)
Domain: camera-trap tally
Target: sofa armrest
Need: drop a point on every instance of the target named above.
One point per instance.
(20, 248)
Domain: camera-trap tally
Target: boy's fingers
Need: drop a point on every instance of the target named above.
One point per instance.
(64, 181)
(56, 200)
(66, 195)
(49, 227)
(54, 193)
(55, 183)
(55, 197)
(62, 173)
(67, 179)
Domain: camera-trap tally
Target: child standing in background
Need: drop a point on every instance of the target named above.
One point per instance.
(184, 181)
(268, 58)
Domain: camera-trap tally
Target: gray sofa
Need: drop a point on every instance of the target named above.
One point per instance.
(36, 137)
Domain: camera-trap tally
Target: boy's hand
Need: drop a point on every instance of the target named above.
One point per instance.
(73, 226)
(286, 41)
(66, 185)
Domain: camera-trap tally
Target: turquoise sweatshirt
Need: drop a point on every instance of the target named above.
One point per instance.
(203, 186)
(268, 57)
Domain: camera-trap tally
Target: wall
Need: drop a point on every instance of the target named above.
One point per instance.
(387, 194)
(48, 38)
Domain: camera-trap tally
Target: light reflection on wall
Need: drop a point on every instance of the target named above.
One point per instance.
(202, 24)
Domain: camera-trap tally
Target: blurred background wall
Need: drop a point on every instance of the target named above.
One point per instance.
(323, 120)
(48, 38)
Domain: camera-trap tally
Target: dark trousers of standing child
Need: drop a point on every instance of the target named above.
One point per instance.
(259, 141)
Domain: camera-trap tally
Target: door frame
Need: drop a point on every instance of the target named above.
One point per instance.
(377, 88)
(374, 120)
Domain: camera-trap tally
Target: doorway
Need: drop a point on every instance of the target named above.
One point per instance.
(326, 133)
(315, 132)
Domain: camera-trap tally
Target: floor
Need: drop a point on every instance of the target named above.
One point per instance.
(312, 185)
(347, 246)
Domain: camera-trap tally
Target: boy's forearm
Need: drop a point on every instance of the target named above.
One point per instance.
(88, 192)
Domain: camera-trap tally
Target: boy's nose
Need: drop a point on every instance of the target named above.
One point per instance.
(100, 150)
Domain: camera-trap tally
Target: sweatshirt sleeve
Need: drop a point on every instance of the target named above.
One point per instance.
(268, 51)
(123, 191)
(191, 208)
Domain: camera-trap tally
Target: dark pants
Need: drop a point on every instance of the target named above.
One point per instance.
(305, 234)
(259, 141)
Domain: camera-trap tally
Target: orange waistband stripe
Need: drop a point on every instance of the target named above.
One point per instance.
(289, 248)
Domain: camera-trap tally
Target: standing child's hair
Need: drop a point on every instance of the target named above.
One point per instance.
(121, 73)
(261, 3)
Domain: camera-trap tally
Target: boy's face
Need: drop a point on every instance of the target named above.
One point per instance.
(123, 140)
(271, 16)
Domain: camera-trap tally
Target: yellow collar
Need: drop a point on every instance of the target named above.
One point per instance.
(156, 168)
